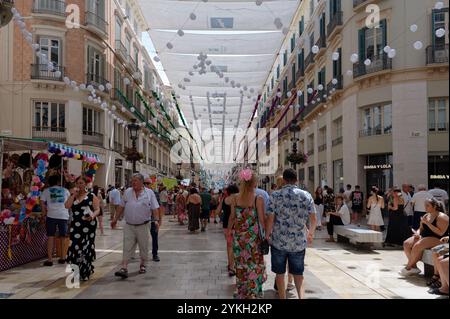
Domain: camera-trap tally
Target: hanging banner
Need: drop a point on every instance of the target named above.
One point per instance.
(169, 183)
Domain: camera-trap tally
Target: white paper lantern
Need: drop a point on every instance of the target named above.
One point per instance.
(35, 46)
(101, 87)
(132, 109)
(285, 31)
(279, 94)
(310, 90)
(289, 94)
(413, 28)
(334, 81)
(104, 105)
(126, 81)
(392, 53)
(109, 86)
(440, 32)
(278, 23)
(259, 2)
(58, 74)
(320, 87)
(109, 113)
(367, 62)
(335, 56)
(315, 49)
(90, 88)
(349, 72)
(354, 58)
(418, 45)
(180, 32)
(156, 59)
(299, 93)
(192, 16)
(439, 5)
(90, 98)
(123, 109)
(66, 80)
(113, 107)
(386, 49)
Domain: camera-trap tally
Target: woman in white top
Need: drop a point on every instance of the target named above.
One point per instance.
(340, 217)
(375, 204)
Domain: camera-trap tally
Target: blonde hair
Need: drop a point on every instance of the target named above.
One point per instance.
(247, 187)
(280, 181)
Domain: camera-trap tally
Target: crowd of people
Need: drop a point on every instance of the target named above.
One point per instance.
(253, 220)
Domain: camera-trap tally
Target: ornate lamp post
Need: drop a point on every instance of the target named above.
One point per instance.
(133, 129)
(294, 158)
(179, 176)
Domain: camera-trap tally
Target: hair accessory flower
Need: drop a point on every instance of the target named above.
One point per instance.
(246, 174)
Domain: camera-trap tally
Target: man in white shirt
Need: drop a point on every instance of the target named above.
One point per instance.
(408, 208)
(53, 201)
(418, 202)
(114, 201)
(138, 205)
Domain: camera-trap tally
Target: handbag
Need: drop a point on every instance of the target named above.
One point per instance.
(263, 246)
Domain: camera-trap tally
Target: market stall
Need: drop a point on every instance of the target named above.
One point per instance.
(24, 166)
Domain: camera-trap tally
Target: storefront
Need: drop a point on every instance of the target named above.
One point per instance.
(438, 173)
(118, 169)
(379, 171)
(338, 175)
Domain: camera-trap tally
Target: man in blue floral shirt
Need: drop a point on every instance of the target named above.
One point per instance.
(289, 210)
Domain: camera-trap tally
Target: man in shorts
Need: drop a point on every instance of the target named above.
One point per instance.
(357, 199)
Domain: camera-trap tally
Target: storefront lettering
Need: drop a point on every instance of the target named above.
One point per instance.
(382, 166)
(439, 176)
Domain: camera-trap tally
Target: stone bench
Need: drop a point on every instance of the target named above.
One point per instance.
(358, 235)
(427, 259)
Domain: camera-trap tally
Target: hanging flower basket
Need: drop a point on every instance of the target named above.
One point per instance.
(297, 158)
(132, 155)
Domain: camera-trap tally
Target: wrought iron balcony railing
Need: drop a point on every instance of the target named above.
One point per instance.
(437, 54)
(49, 7)
(42, 72)
(96, 21)
(378, 63)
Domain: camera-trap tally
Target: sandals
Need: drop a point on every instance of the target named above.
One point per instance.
(437, 291)
(142, 269)
(433, 280)
(123, 273)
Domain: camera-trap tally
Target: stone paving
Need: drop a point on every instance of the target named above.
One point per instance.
(193, 266)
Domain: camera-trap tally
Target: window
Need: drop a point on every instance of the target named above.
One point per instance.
(51, 47)
(338, 175)
(321, 77)
(311, 144)
(335, 7)
(97, 7)
(278, 71)
(144, 150)
(322, 138)
(439, 20)
(337, 124)
(118, 30)
(377, 120)
(301, 26)
(91, 121)
(311, 42)
(293, 73)
(372, 41)
(118, 79)
(311, 174)
(136, 56)
(49, 115)
(128, 43)
(438, 114)
(293, 43)
(128, 11)
(337, 65)
(285, 57)
(322, 26)
(96, 65)
(323, 174)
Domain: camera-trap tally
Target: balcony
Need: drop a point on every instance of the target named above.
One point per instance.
(131, 64)
(311, 152)
(309, 61)
(438, 127)
(337, 141)
(92, 138)
(96, 80)
(322, 44)
(335, 25)
(52, 7)
(138, 76)
(437, 54)
(371, 132)
(338, 86)
(118, 147)
(55, 134)
(97, 22)
(42, 72)
(379, 63)
(121, 51)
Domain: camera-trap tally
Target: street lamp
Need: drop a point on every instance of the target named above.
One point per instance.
(179, 176)
(294, 158)
(133, 129)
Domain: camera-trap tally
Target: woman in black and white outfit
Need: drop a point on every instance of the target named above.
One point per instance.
(85, 207)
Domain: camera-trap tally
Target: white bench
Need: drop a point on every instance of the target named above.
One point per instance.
(358, 235)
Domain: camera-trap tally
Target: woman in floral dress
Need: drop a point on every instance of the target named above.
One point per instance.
(85, 207)
(180, 203)
(247, 214)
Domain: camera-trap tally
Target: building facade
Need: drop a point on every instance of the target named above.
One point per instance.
(382, 120)
(106, 48)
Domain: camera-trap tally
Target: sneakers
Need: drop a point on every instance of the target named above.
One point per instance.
(156, 258)
(413, 271)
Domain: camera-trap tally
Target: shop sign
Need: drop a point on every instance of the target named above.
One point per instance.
(439, 176)
(119, 162)
(382, 166)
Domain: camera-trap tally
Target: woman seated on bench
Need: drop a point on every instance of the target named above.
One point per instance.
(439, 282)
(340, 217)
(433, 226)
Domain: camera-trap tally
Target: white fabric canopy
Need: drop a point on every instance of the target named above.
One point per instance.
(240, 38)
